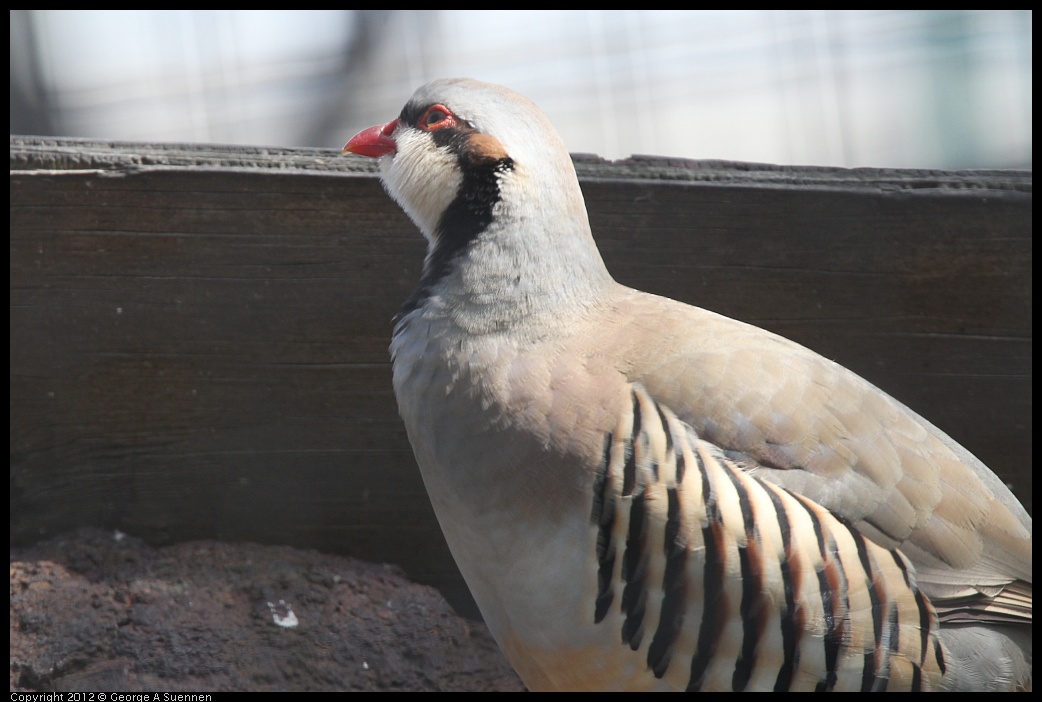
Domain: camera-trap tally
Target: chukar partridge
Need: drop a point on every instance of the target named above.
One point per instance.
(645, 495)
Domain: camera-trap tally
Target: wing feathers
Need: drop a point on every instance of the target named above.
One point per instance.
(696, 544)
(795, 419)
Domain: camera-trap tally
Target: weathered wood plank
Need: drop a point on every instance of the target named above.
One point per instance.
(199, 334)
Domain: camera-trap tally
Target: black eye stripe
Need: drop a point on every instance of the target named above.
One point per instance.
(413, 114)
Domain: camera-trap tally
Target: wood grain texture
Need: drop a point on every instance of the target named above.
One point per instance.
(199, 333)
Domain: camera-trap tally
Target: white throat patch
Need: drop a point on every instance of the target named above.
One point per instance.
(423, 179)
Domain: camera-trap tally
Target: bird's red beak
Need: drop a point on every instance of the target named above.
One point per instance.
(373, 142)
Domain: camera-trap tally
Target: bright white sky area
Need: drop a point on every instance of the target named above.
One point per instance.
(885, 88)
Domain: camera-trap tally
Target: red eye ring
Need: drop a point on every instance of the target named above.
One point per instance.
(436, 117)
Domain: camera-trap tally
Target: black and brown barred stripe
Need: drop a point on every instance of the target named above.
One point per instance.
(733, 583)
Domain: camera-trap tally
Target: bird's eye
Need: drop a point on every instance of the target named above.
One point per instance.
(436, 117)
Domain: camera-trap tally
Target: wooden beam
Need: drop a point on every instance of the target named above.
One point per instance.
(199, 333)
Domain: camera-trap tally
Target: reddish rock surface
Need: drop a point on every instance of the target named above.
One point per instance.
(106, 612)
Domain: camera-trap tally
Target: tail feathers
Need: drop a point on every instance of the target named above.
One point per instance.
(1007, 605)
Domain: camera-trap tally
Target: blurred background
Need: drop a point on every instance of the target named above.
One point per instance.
(911, 89)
